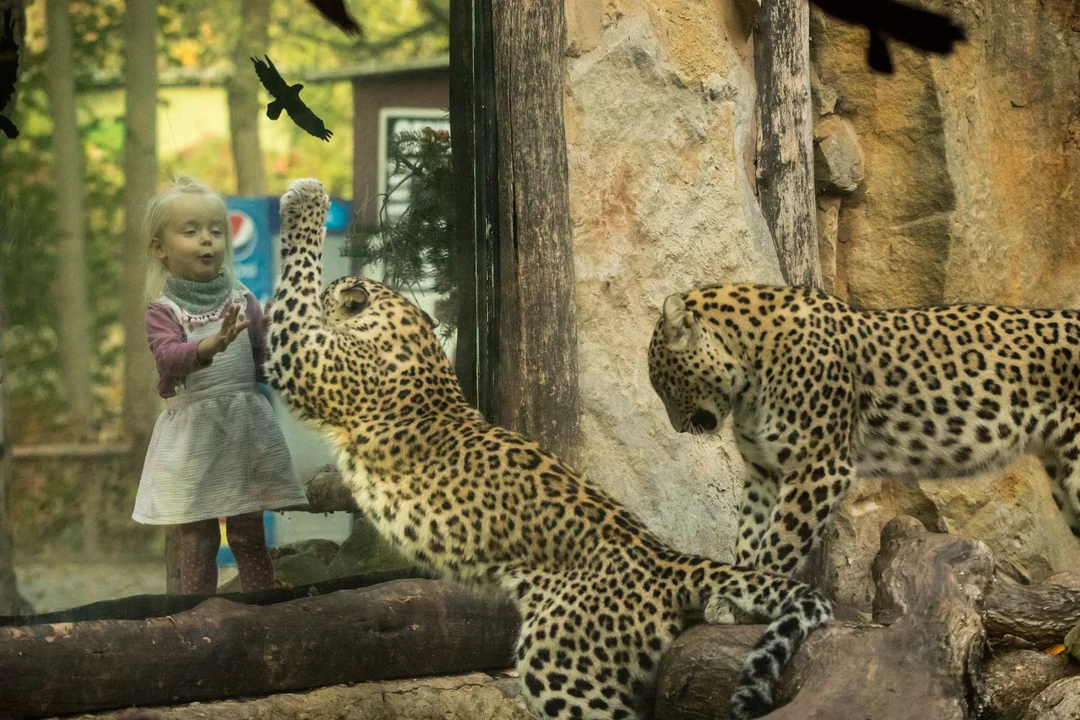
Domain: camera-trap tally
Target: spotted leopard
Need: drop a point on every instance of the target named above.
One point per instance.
(601, 598)
(820, 392)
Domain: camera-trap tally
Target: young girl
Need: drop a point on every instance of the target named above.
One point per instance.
(216, 450)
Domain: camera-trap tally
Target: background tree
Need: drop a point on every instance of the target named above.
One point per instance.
(245, 108)
(140, 176)
(73, 336)
(10, 600)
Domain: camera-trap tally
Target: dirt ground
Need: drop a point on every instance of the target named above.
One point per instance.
(59, 586)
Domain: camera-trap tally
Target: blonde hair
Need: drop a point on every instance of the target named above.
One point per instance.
(154, 223)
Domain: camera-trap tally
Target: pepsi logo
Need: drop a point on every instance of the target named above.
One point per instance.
(241, 227)
(244, 237)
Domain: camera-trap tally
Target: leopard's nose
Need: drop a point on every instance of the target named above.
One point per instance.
(702, 421)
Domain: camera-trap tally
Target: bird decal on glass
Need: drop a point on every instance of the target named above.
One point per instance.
(336, 12)
(287, 98)
(9, 71)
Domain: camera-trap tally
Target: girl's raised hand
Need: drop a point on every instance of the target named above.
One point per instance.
(230, 328)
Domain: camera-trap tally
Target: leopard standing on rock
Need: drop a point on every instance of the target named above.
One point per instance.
(820, 392)
(601, 598)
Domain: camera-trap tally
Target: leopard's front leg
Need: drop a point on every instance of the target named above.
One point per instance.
(808, 498)
(298, 343)
(758, 500)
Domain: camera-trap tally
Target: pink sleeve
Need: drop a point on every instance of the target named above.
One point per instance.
(174, 356)
(256, 335)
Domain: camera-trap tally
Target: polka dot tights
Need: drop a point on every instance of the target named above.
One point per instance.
(199, 543)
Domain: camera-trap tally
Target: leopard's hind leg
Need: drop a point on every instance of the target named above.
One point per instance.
(590, 646)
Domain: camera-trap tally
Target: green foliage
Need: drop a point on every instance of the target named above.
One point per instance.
(416, 248)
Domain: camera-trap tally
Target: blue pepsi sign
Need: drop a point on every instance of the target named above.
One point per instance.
(253, 245)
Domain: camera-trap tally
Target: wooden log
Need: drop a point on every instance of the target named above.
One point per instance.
(925, 664)
(1041, 614)
(785, 169)
(221, 649)
(326, 492)
(537, 385)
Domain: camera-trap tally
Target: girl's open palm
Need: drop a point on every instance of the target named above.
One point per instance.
(230, 328)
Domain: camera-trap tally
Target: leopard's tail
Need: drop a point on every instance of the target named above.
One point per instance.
(793, 609)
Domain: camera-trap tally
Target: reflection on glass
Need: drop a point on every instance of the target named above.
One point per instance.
(76, 446)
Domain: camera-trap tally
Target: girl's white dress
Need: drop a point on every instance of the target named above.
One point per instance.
(217, 450)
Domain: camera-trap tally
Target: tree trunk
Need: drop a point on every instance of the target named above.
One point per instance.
(221, 649)
(11, 603)
(785, 175)
(74, 330)
(140, 179)
(243, 96)
(538, 365)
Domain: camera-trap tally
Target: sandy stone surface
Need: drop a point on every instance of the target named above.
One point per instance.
(658, 122)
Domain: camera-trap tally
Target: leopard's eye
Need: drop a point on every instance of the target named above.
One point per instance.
(354, 300)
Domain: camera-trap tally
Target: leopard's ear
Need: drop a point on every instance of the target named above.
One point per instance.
(681, 327)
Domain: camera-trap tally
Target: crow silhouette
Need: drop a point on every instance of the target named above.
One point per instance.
(9, 71)
(336, 12)
(287, 98)
(921, 29)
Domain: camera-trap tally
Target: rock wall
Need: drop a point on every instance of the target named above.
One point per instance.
(955, 180)
(659, 106)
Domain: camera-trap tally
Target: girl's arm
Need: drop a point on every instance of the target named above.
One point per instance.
(173, 354)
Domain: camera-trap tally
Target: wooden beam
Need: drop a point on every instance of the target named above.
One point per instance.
(68, 451)
(218, 77)
(463, 110)
(537, 389)
(785, 174)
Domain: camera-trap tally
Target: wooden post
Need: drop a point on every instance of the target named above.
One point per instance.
(785, 174)
(538, 368)
(463, 108)
(474, 144)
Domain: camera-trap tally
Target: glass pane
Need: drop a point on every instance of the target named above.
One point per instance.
(72, 295)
